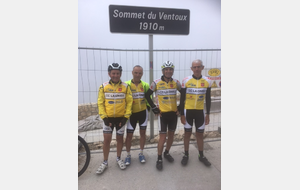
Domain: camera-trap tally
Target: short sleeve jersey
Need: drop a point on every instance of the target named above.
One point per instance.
(166, 94)
(195, 92)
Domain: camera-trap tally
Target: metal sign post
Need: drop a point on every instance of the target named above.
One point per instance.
(151, 79)
(149, 20)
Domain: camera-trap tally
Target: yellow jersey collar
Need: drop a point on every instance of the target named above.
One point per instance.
(162, 78)
(111, 82)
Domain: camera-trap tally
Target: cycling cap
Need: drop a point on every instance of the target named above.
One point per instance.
(115, 66)
(167, 64)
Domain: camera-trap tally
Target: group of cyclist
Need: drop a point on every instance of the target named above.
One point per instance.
(130, 102)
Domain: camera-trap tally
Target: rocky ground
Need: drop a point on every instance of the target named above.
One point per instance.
(136, 140)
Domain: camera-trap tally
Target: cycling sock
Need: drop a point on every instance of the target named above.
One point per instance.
(141, 151)
(186, 153)
(105, 162)
(118, 158)
(128, 153)
(166, 151)
(159, 157)
(201, 153)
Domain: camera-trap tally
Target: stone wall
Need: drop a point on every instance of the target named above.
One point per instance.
(86, 110)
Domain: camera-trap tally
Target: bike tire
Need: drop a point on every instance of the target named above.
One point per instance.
(83, 161)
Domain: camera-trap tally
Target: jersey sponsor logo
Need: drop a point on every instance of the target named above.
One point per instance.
(138, 95)
(192, 84)
(120, 89)
(111, 102)
(200, 98)
(214, 72)
(196, 91)
(171, 85)
(107, 128)
(202, 84)
(166, 92)
(114, 95)
(142, 89)
(165, 98)
(162, 84)
(109, 89)
(214, 78)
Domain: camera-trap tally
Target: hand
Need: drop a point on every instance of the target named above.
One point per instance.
(182, 118)
(156, 110)
(106, 122)
(123, 122)
(206, 119)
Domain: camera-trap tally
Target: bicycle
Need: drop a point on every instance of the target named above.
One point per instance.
(84, 155)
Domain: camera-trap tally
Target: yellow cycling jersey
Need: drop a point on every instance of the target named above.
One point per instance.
(166, 94)
(195, 92)
(114, 100)
(138, 94)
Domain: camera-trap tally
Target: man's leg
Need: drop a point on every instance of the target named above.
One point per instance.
(106, 145)
(170, 140)
(199, 137)
(187, 137)
(172, 124)
(161, 142)
(128, 147)
(200, 125)
(142, 138)
(119, 144)
(128, 141)
(143, 120)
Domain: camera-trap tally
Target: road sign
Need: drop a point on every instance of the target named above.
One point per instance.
(148, 20)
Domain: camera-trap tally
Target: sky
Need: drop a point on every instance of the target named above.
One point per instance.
(205, 25)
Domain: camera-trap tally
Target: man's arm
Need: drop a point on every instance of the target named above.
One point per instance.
(208, 100)
(208, 103)
(101, 106)
(148, 98)
(129, 100)
(182, 100)
(101, 100)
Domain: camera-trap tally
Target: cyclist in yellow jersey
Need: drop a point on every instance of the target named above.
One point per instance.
(139, 114)
(194, 90)
(114, 104)
(165, 89)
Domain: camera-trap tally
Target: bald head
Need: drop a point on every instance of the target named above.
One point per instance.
(197, 67)
(197, 61)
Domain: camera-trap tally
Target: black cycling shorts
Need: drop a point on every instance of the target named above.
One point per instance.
(141, 117)
(197, 116)
(167, 121)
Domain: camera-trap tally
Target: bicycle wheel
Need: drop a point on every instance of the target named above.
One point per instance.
(84, 156)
